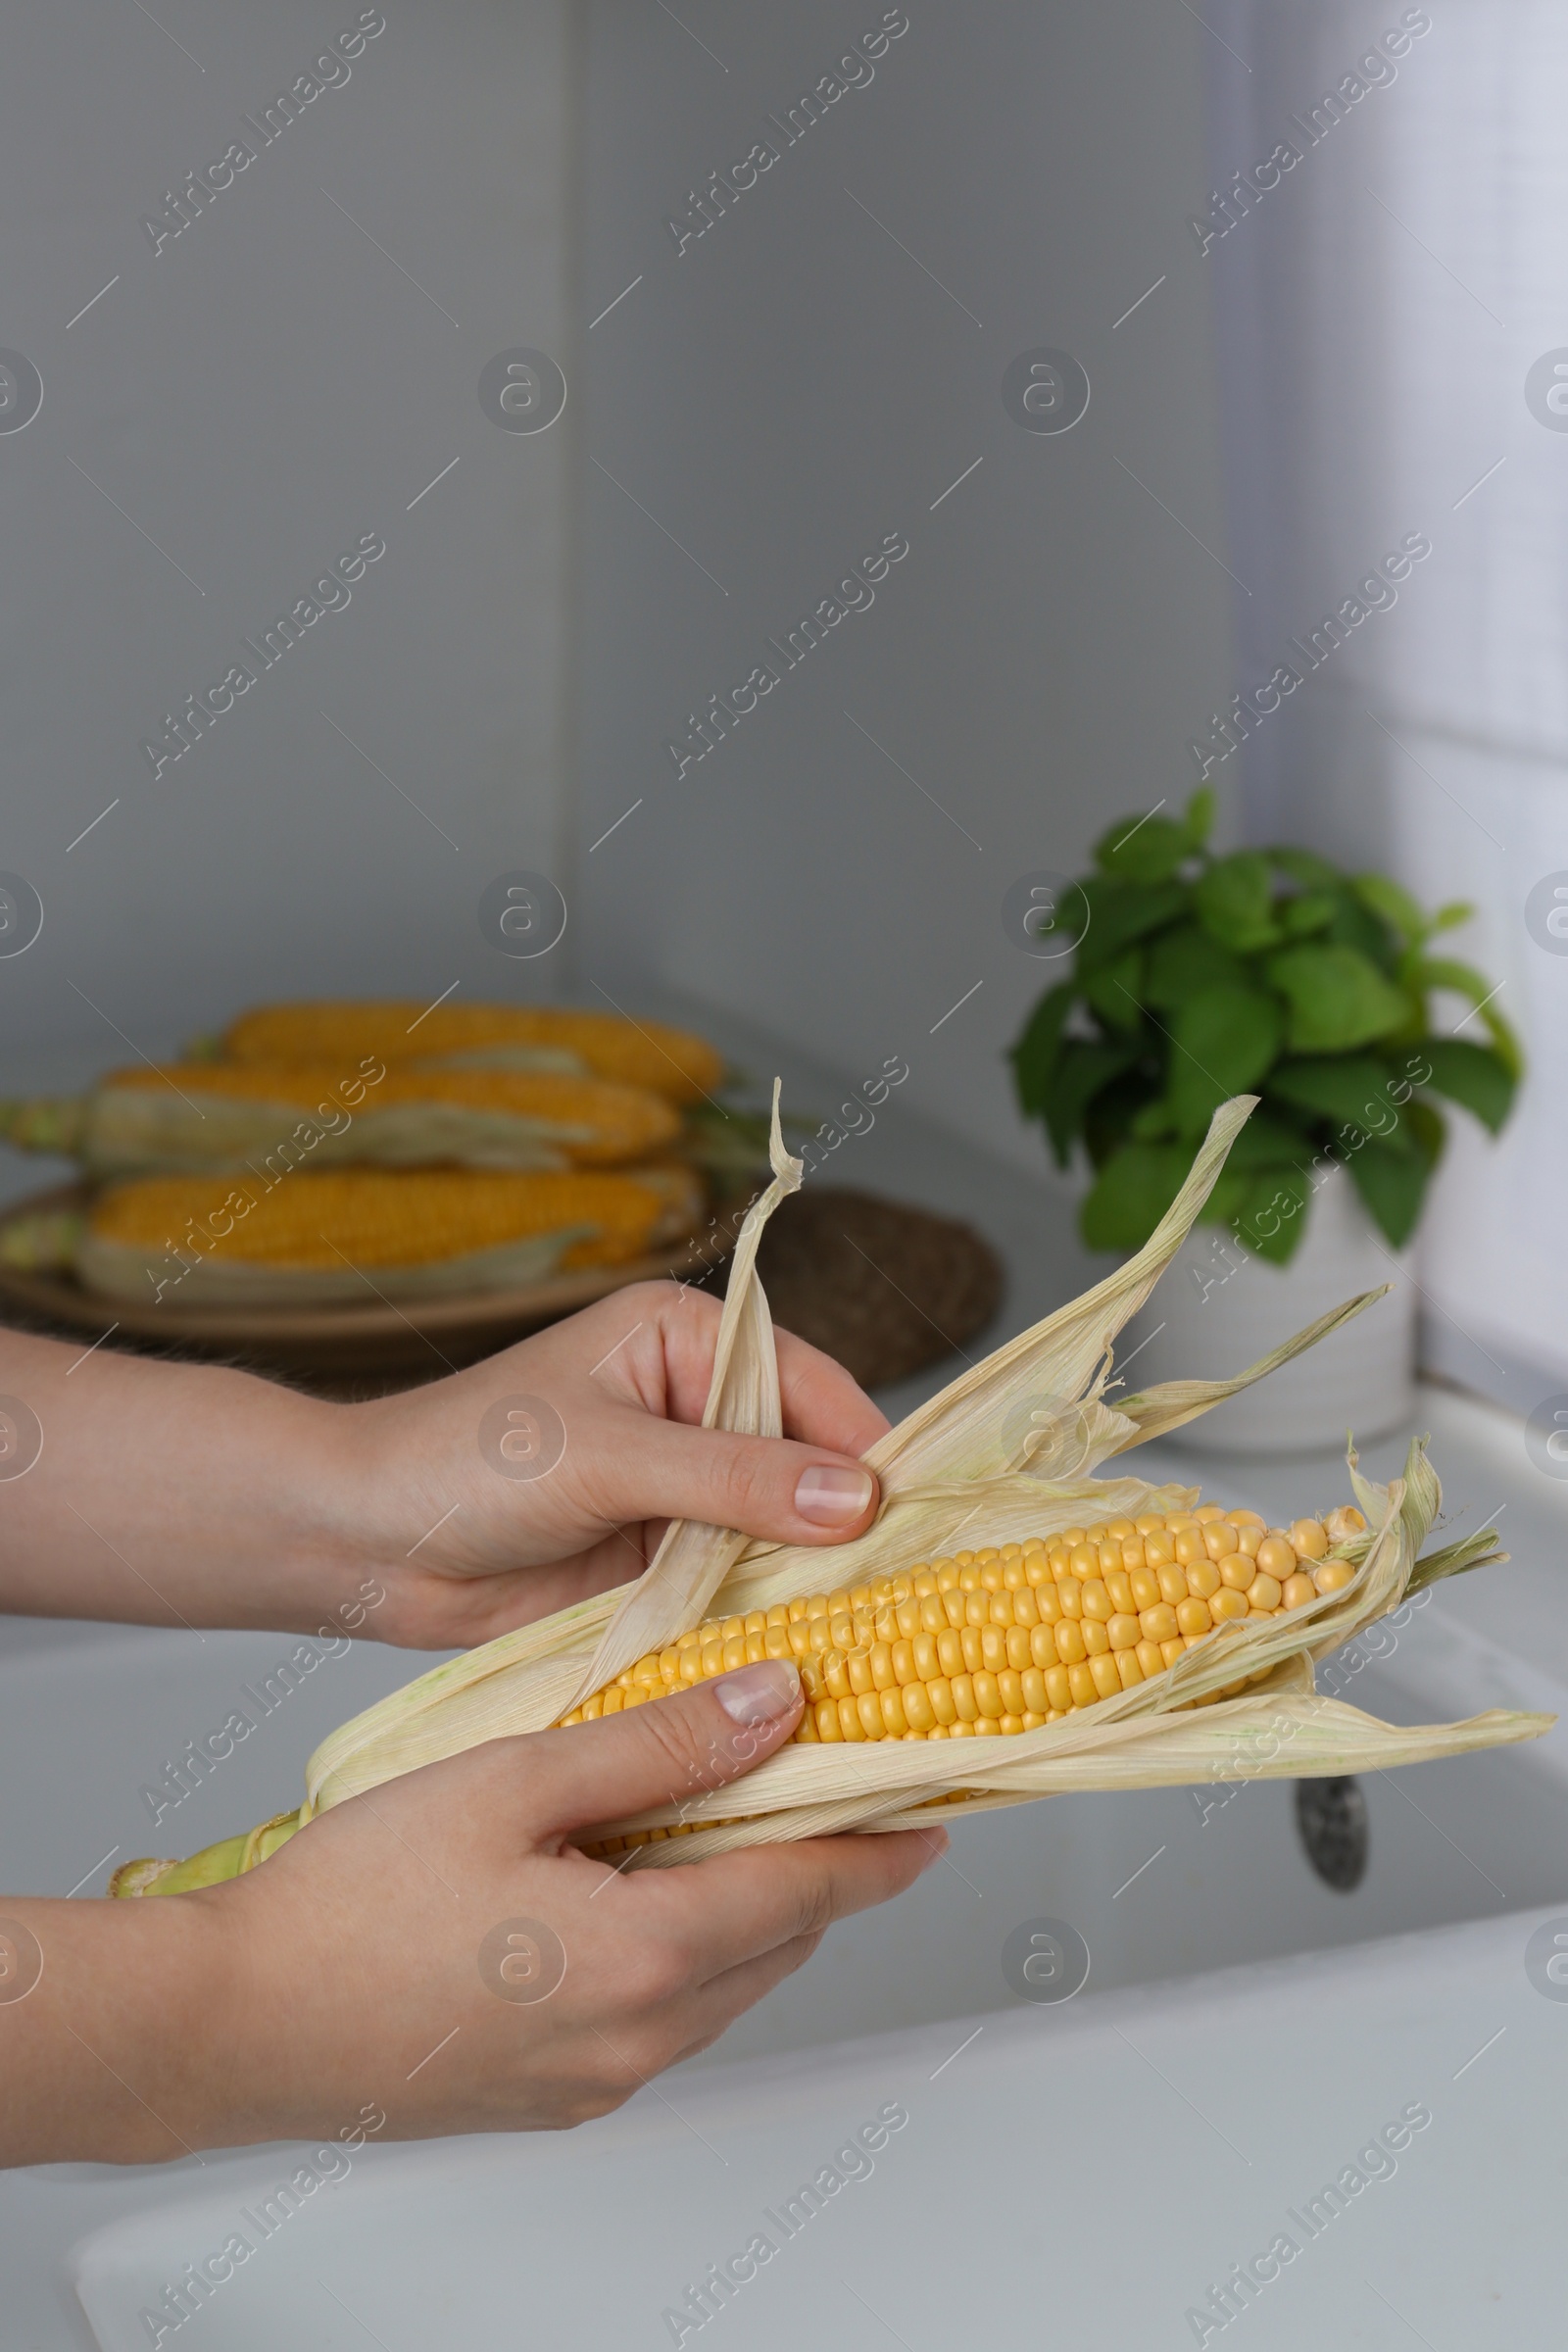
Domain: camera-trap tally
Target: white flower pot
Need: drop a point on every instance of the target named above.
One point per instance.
(1218, 1308)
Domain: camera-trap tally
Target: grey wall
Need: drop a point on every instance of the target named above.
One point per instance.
(256, 395)
(776, 398)
(791, 385)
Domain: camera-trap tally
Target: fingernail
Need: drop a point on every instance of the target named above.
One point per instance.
(759, 1693)
(935, 1842)
(830, 1496)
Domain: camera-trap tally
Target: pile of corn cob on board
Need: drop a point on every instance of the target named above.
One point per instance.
(1074, 1632)
(455, 1152)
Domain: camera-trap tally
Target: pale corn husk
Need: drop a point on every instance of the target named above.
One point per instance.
(1007, 1451)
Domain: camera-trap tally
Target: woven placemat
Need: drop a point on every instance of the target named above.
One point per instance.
(884, 1288)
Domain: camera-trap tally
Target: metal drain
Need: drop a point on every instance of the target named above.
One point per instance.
(1331, 1817)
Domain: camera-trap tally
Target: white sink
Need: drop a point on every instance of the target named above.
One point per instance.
(1190, 1907)
(1076, 2177)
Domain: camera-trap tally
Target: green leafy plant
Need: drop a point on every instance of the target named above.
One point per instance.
(1199, 976)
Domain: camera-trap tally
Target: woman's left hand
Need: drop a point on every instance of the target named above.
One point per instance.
(552, 1470)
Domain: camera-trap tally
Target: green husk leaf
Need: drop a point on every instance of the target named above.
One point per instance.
(53, 1123)
(693, 1561)
(1481, 1550)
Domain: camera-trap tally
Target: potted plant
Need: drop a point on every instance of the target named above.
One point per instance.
(1197, 975)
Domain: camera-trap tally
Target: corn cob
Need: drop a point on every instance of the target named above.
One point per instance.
(985, 1643)
(218, 1116)
(345, 1235)
(1006, 1639)
(1010, 1448)
(668, 1062)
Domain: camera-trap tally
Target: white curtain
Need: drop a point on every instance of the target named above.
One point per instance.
(1380, 308)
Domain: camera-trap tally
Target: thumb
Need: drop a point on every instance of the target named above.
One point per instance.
(668, 1751)
(770, 1487)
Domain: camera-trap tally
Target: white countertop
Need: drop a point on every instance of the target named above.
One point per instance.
(1081, 2174)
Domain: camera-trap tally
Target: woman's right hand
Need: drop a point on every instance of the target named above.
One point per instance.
(368, 1962)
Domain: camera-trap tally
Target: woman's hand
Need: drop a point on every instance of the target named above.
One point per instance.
(436, 1951)
(169, 1494)
(472, 1523)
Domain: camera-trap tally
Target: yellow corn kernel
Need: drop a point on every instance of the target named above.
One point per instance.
(919, 1712)
(1276, 1557)
(1083, 1685)
(1107, 1679)
(894, 1722)
(988, 1698)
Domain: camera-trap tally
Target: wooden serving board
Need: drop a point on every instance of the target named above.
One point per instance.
(361, 1349)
